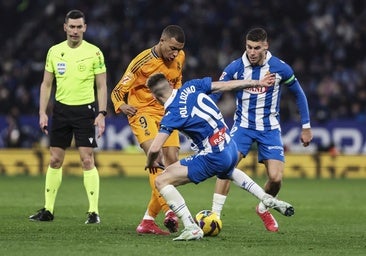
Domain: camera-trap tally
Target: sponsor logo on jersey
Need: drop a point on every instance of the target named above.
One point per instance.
(256, 90)
(218, 137)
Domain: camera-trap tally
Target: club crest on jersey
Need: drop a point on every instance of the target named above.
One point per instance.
(61, 68)
(256, 90)
(126, 79)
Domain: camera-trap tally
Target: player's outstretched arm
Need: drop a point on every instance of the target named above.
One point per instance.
(155, 148)
(221, 86)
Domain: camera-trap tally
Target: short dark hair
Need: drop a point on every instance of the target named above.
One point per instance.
(257, 35)
(74, 14)
(154, 79)
(176, 32)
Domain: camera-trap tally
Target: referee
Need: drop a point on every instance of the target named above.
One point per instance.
(77, 67)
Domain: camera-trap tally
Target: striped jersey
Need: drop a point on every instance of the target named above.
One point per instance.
(258, 108)
(196, 115)
(132, 89)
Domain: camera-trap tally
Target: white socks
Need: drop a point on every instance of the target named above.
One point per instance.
(147, 216)
(245, 182)
(176, 202)
(218, 202)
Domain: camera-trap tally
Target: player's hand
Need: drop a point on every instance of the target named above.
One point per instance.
(99, 122)
(306, 136)
(43, 123)
(154, 169)
(128, 110)
(268, 80)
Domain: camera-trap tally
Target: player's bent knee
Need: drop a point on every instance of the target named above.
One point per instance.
(163, 179)
(159, 183)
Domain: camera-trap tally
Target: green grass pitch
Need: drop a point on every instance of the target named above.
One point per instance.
(330, 219)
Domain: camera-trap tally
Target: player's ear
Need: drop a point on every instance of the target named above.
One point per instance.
(171, 85)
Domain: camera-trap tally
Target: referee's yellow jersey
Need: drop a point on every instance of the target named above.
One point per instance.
(75, 70)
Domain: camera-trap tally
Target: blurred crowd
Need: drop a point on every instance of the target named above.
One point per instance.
(323, 40)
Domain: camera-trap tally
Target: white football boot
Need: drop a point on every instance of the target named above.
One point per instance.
(281, 206)
(193, 232)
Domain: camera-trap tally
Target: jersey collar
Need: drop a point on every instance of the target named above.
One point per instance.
(154, 53)
(247, 63)
(171, 98)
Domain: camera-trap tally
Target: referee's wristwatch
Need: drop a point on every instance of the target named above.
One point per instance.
(103, 112)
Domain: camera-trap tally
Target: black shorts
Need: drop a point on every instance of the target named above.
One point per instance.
(69, 121)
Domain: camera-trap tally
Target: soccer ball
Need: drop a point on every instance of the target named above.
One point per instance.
(209, 222)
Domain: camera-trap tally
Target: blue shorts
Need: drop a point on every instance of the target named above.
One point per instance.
(203, 166)
(270, 145)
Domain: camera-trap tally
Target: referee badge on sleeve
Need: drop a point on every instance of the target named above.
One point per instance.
(61, 68)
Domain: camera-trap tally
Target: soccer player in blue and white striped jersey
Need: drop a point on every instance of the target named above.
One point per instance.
(195, 114)
(257, 116)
